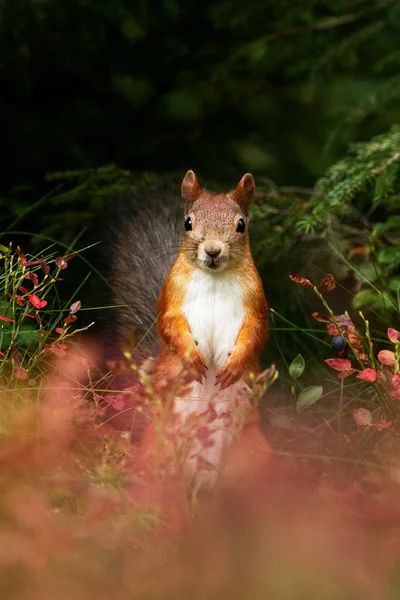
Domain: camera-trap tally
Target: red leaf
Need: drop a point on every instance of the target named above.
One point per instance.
(30, 316)
(33, 277)
(367, 375)
(23, 289)
(396, 381)
(2, 354)
(20, 300)
(347, 373)
(350, 333)
(386, 357)
(362, 416)
(59, 330)
(116, 401)
(393, 335)
(321, 317)
(301, 280)
(70, 319)
(383, 425)
(71, 256)
(61, 262)
(339, 364)
(327, 284)
(75, 307)
(358, 250)
(37, 302)
(45, 266)
(20, 372)
(6, 319)
(58, 349)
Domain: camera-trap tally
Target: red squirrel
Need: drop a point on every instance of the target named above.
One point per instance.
(212, 312)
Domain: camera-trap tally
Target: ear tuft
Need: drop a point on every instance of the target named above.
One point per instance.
(244, 192)
(190, 189)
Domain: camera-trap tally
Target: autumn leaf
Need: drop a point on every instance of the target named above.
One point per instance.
(393, 335)
(350, 333)
(59, 330)
(383, 425)
(321, 317)
(20, 372)
(339, 364)
(367, 375)
(32, 277)
(6, 319)
(386, 357)
(327, 284)
(58, 349)
(75, 307)
(362, 416)
(45, 267)
(347, 373)
(396, 380)
(301, 280)
(61, 262)
(70, 319)
(37, 302)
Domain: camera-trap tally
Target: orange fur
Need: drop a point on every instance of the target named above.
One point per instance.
(178, 345)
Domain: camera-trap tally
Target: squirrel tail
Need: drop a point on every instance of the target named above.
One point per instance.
(142, 243)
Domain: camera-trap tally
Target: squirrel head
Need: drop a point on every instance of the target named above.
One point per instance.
(216, 225)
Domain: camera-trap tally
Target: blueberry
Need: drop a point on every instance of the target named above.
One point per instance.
(338, 342)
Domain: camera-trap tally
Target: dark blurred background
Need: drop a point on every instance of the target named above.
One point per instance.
(100, 97)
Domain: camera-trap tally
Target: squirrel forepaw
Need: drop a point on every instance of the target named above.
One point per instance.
(228, 375)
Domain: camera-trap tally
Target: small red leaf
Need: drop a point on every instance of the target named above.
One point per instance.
(33, 277)
(367, 375)
(23, 289)
(116, 401)
(362, 416)
(61, 262)
(383, 425)
(321, 317)
(327, 284)
(70, 319)
(71, 256)
(301, 280)
(6, 319)
(396, 381)
(20, 372)
(386, 357)
(45, 266)
(37, 302)
(2, 354)
(75, 307)
(58, 349)
(393, 335)
(59, 330)
(339, 364)
(347, 373)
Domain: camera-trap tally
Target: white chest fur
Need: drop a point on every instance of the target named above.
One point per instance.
(213, 307)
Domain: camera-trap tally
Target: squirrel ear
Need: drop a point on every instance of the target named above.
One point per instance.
(190, 189)
(244, 192)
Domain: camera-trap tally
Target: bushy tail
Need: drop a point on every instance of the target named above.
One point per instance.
(143, 242)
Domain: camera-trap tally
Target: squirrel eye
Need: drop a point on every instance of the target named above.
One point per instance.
(188, 224)
(241, 226)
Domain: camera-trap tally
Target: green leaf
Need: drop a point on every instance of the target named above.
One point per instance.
(297, 367)
(308, 396)
(4, 248)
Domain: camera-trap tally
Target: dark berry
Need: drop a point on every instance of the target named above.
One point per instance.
(338, 342)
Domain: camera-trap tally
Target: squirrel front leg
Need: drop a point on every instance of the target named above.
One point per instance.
(175, 332)
(251, 338)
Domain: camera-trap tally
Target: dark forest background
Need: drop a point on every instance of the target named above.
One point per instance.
(103, 97)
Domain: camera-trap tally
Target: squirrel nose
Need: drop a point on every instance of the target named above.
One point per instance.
(213, 251)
